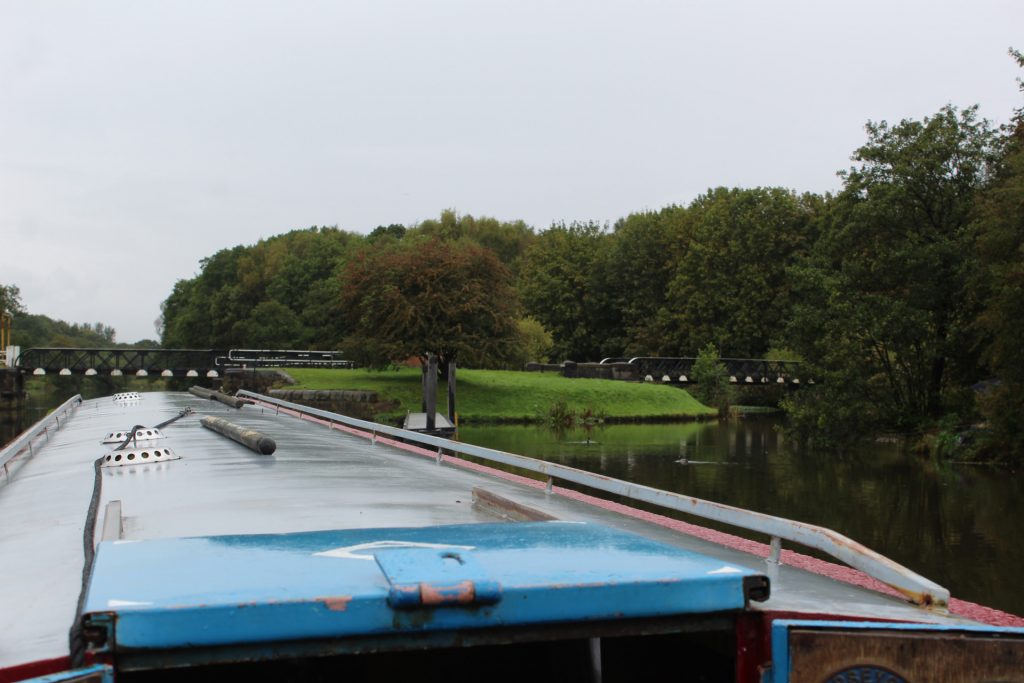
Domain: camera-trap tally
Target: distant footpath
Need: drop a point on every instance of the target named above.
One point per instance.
(509, 396)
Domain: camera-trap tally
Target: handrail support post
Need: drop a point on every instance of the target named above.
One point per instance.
(775, 556)
(915, 587)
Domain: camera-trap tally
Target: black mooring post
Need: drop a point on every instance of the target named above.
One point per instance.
(430, 395)
(452, 415)
(423, 387)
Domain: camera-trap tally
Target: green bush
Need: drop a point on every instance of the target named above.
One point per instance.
(712, 378)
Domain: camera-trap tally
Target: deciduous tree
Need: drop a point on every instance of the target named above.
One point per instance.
(557, 286)
(635, 264)
(886, 306)
(427, 295)
(295, 270)
(10, 300)
(730, 284)
(507, 239)
(1000, 283)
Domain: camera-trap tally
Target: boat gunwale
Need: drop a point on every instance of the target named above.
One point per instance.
(24, 440)
(916, 588)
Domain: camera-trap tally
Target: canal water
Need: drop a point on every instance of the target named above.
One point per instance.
(957, 525)
(45, 394)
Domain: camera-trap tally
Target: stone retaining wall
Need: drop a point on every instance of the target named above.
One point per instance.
(623, 371)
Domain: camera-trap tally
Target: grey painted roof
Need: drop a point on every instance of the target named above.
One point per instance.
(318, 479)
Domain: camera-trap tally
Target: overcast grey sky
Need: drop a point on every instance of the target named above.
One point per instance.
(138, 137)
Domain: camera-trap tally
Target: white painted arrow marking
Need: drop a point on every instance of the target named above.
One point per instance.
(349, 552)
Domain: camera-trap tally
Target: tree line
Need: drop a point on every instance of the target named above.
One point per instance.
(34, 330)
(903, 290)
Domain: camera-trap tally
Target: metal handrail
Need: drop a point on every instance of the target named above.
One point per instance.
(915, 587)
(25, 439)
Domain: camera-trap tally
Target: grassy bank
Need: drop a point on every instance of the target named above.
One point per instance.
(505, 396)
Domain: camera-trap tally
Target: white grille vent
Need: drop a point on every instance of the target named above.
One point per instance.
(138, 456)
(128, 396)
(142, 434)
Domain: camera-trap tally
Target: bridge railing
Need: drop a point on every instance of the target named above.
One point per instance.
(915, 587)
(286, 358)
(169, 361)
(78, 360)
(741, 370)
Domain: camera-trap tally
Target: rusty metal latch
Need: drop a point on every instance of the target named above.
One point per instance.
(436, 577)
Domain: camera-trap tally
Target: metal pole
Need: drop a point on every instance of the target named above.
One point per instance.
(453, 415)
(423, 387)
(430, 395)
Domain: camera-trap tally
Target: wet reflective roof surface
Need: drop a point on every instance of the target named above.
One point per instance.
(318, 480)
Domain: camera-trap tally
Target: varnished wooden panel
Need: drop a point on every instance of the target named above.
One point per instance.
(858, 656)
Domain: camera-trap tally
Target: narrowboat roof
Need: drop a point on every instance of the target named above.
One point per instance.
(226, 525)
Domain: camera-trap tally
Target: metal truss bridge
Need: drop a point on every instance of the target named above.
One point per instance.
(741, 370)
(168, 362)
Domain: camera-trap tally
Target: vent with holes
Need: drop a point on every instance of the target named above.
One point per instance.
(128, 396)
(138, 456)
(142, 434)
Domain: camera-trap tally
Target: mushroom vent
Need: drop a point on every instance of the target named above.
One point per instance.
(141, 434)
(127, 396)
(139, 456)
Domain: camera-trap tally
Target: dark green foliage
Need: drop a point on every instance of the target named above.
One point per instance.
(730, 283)
(10, 300)
(634, 266)
(1000, 229)
(270, 325)
(712, 381)
(508, 240)
(395, 231)
(278, 292)
(556, 286)
(34, 331)
(427, 295)
(533, 344)
(885, 304)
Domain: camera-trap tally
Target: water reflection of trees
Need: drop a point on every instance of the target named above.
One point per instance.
(957, 526)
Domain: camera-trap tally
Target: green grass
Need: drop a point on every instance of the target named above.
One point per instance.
(500, 395)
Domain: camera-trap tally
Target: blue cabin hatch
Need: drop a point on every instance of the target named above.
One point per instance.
(219, 591)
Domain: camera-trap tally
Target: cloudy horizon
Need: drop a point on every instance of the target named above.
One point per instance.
(137, 138)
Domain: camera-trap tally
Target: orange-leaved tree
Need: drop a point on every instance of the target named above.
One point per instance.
(428, 295)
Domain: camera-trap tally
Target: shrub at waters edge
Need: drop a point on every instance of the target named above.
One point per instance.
(712, 378)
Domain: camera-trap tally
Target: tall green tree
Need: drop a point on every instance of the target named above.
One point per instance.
(556, 285)
(730, 284)
(270, 325)
(507, 239)
(885, 304)
(426, 295)
(631, 275)
(294, 272)
(10, 300)
(1000, 229)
